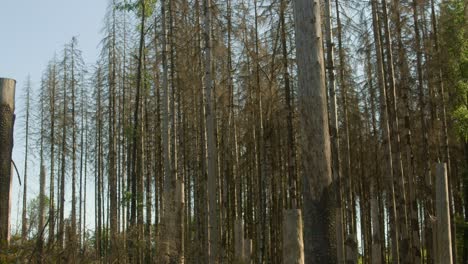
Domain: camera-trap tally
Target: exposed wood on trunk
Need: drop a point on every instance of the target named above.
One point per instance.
(7, 120)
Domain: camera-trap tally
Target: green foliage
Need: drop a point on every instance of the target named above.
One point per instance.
(33, 213)
(460, 117)
(136, 6)
(127, 197)
(454, 46)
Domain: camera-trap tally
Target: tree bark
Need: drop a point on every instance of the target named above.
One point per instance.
(444, 235)
(7, 119)
(384, 122)
(319, 211)
(211, 140)
(334, 133)
(24, 224)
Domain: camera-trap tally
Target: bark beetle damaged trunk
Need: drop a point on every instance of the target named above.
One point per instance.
(7, 119)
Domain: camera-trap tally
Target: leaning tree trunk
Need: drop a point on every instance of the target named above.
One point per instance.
(7, 119)
(319, 211)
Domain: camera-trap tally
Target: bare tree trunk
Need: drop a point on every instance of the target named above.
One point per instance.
(334, 134)
(413, 252)
(384, 121)
(444, 236)
(424, 127)
(442, 107)
(376, 240)
(73, 121)
(318, 191)
(7, 120)
(293, 246)
(61, 231)
(52, 92)
(213, 238)
(24, 224)
(350, 242)
(42, 182)
(398, 174)
(114, 242)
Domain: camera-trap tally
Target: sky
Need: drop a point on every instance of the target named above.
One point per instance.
(32, 32)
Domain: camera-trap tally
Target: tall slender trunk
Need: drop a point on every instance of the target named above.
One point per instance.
(376, 255)
(7, 120)
(384, 122)
(351, 235)
(291, 151)
(42, 180)
(213, 223)
(413, 252)
(114, 250)
(73, 121)
(398, 174)
(442, 109)
(334, 133)
(61, 231)
(24, 224)
(52, 91)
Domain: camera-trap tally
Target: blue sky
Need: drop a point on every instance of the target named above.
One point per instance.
(32, 31)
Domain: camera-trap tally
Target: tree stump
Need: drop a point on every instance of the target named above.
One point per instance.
(7, 119)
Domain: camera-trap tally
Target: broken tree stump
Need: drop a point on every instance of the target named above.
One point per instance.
(293, 245)
(444, 236)
(7, 119)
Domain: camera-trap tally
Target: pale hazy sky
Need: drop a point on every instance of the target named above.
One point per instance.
(31, 32)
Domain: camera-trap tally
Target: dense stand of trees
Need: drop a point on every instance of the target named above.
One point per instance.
(208, 129)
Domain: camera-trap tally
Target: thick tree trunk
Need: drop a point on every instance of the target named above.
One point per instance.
(318, 190)
(7, 119)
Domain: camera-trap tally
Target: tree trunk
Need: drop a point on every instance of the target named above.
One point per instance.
(388, 179)
(334, 134)
(398, 175)
(211, 140)
(73, 121)
(7, 120)
(52, 92)
(318, 192)
(293, 245)
(24, 224)
(61, 232)
(350, 242)
(444, 236)
(114, 243)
